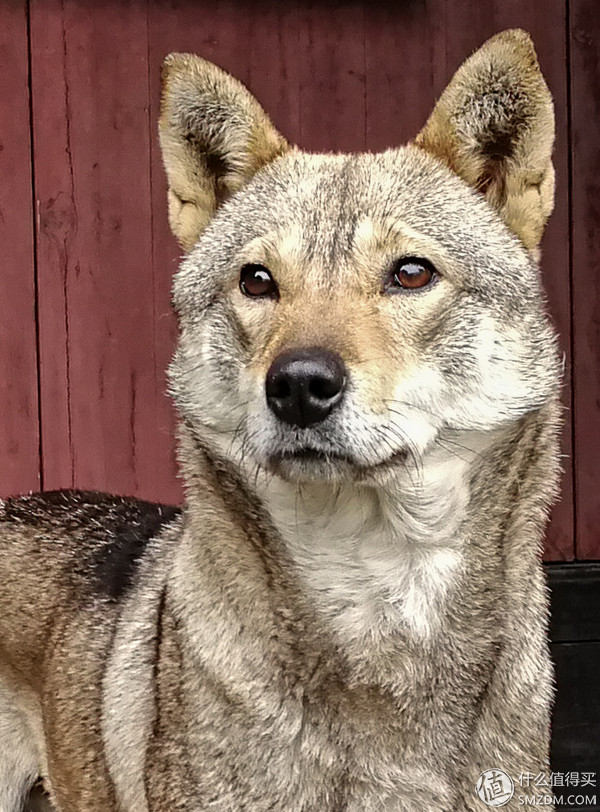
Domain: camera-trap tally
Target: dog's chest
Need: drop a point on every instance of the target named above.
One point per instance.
(334, 748)
(370, 573)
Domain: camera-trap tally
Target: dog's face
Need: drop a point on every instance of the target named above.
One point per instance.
(342, 313)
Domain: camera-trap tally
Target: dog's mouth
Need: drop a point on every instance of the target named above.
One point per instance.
(314, 463)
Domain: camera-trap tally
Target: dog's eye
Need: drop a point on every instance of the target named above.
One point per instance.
(410, 273)
(257, 282)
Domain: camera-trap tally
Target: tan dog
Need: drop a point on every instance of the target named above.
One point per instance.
(350, 611)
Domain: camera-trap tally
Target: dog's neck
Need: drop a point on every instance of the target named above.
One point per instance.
(374, 562)
(376, 558)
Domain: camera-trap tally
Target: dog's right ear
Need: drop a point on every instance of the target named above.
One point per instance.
(214, 137)
(494, 126)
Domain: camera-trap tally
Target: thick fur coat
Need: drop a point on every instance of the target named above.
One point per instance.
(349, 613)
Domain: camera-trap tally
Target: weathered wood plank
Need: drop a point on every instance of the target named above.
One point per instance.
(56, 226)
(406, 68)
(19, 423)
(585, 94)
(331, 40)
(276, 63)
(99, 375)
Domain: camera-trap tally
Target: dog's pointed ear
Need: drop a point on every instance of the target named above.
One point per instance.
(214, 137)
(494, 126)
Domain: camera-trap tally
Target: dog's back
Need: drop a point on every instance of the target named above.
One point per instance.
(68, 560)
(66, 549)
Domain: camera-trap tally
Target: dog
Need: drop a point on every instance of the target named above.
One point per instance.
(349, 612)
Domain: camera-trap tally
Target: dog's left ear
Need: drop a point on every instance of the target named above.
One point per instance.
(494, 126)
(214, 137)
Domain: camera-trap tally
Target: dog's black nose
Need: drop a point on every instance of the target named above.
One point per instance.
(304, 386)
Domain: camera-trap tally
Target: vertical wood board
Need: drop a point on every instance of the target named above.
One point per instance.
(19, 433)
(585, 94)
(99, 372)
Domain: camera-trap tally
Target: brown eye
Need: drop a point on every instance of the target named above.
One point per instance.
(257, 282)
(411, 273)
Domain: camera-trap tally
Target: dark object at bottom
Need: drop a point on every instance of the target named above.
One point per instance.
(38, 802)
(575, 636)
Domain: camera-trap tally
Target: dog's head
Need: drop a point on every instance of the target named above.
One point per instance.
(340, 311)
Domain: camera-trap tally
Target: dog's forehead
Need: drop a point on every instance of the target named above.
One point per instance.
(323, 209)
(333, 197)
(335, 205)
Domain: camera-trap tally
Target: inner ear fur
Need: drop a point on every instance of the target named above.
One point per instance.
(494, 126)
(214, 137)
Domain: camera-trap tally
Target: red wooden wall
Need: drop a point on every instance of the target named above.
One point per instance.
(87, 259)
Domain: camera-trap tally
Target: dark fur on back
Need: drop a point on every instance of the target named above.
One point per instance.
(117, 531)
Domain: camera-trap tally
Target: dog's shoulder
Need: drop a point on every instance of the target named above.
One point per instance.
(105, 535)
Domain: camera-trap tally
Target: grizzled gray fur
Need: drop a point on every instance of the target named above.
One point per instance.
(349, 613)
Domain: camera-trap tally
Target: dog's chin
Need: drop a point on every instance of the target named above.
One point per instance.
(308, 465)
(311, 466)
